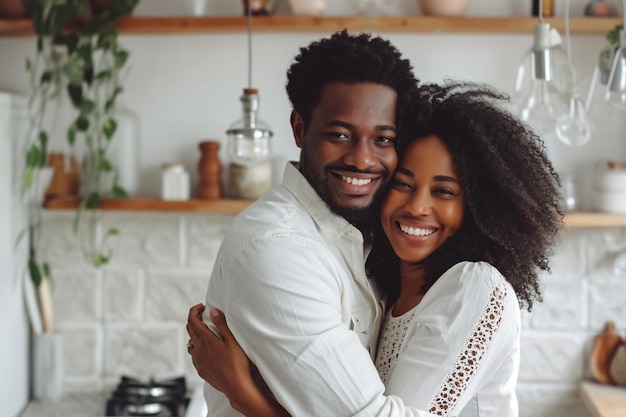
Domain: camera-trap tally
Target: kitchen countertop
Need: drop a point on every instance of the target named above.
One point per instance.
(84, 404)
(604, 400)
(93, 404)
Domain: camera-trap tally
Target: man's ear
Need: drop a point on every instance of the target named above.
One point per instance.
(297, 127)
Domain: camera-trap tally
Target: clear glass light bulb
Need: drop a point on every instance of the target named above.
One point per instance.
(573, 128)
(616, 86)
(536, 108)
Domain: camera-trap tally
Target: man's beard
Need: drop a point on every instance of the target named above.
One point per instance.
(363, 218)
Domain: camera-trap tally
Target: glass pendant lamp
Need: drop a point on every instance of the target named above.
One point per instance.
(537, 93)
(249, 143)
(616, 85)
(573, 127)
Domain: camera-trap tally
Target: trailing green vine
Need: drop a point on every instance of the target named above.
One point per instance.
(78, 58)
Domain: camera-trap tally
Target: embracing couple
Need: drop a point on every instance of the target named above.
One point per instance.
(385, 275)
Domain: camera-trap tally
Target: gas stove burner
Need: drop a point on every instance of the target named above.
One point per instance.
(132, 397)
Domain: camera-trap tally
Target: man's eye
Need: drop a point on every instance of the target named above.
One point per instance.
(338, 136)
(384, 139)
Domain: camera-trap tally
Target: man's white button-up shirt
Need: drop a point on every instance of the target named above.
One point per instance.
(290, 278)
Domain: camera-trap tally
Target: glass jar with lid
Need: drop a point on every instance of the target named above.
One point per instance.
(249, 150)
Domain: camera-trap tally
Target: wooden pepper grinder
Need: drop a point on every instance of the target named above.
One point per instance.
(209, 171)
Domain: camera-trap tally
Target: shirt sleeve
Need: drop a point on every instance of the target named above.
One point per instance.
(288, 319)
(466, 336)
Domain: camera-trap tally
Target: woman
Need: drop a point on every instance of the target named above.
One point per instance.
(468, 222)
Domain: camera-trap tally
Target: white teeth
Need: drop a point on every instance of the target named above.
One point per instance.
(356, 181)
(415, 231)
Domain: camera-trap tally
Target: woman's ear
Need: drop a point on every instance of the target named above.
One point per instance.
(297, 127)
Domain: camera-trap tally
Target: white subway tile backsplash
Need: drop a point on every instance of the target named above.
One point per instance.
(607, 299)
(169, 295)
(75, 294)
(144, 352)
(122, 293)
(149, 240)
(204, 234)
(550, 400)
(552, 356)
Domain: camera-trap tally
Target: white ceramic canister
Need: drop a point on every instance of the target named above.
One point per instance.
(175, 182)
(609, 187)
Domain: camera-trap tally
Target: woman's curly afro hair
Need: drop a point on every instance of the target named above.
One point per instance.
(347, 58)
(512, 200)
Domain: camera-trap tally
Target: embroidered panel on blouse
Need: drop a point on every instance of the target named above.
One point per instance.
(456, 382)
(390, 340)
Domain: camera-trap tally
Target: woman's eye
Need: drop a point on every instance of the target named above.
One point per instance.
(400, 184)
(385, 139)
(446, 192)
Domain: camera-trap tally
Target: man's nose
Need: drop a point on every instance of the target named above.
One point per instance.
(361, 155)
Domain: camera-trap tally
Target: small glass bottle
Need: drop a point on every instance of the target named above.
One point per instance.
(249, 150)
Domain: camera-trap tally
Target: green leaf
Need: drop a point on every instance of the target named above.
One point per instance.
(98, 260)
(82, 124)
(75, 70)
(120, 59)
(71, 135)
(34, 272)
(29, 64)
(46, 270)
(93, 199)
(113, 232)
(79, 212)
(76, 94)
(109, 127)
(29, 176)
(105, 165)
(119, 192)
(104, 75)
(87, 107)
(46, 77)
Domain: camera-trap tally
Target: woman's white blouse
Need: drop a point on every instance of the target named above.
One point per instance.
(457, 352)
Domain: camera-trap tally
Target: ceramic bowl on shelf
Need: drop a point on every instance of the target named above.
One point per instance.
(443, 7)
(308, 7)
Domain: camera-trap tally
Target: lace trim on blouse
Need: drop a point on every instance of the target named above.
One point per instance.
(391, 338)
(456, 382)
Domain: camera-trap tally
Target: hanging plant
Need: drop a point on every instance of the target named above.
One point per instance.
(79, 60)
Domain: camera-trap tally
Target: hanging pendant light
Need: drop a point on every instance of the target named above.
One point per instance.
(249, 142)
(572, 128)
(537, 101)
(616, 85)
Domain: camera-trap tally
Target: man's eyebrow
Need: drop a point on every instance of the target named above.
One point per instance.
(345, 125)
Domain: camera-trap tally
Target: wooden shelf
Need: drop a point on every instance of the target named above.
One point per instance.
(232, 206)
(226, 206)
(604, 400)
(595, 219)
(410, 24)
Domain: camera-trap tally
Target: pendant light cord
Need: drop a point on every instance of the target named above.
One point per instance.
(250, 44)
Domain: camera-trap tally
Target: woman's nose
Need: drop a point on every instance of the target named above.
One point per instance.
(419, 203)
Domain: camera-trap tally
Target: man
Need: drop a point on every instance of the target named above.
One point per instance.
(290, 273)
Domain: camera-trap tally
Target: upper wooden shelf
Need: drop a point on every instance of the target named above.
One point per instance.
(232, 206)
(410, 24)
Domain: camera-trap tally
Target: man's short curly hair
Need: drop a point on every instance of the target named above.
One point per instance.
(347, 58)
(513, 209)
